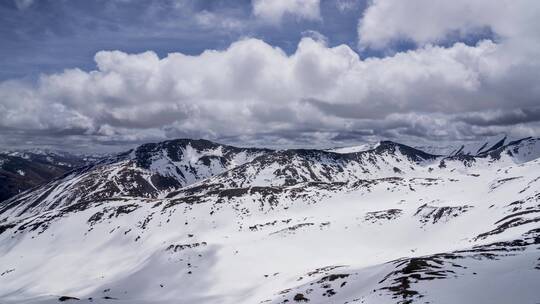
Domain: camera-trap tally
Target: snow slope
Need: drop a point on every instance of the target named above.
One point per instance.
(354, 149)
(388, 225)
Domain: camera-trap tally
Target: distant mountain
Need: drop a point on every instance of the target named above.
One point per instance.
(354, 149)
(465, 148)
(22, 170)
(468, 147)
(193, 221)
(521, 150)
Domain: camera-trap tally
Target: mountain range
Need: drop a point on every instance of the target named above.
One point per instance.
(193, 221)
(22, 170)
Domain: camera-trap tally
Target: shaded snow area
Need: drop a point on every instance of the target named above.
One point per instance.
(197, 222)
(354, 149)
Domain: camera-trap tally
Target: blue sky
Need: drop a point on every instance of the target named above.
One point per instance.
(49, 36)
(108, 75)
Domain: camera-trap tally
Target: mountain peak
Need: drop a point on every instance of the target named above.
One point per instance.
(410, 152)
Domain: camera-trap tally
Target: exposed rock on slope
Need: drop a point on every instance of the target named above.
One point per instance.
(197, 222)
(20, 171)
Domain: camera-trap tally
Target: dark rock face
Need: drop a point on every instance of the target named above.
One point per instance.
(411, 270)
(24, 170)
(300, 298)
(174, 150)
(67, 298)
(412, 154)
(431, 214)
(383, 215)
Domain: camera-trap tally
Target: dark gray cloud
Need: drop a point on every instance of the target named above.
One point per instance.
(502, 118)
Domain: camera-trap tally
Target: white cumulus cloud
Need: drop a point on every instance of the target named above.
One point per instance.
(273, 10)
(252, 88)
(428, 21)
(23, 4)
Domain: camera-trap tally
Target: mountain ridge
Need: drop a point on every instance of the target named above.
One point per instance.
(392, 224)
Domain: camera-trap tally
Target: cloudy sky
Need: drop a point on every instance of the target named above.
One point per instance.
(105, 75)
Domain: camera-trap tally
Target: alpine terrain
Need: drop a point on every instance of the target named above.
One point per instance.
(193, 221)
(22, 170)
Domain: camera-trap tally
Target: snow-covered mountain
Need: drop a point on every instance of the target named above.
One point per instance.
(149, 171)
(353, 149)
(191, 221)
(474, 148)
